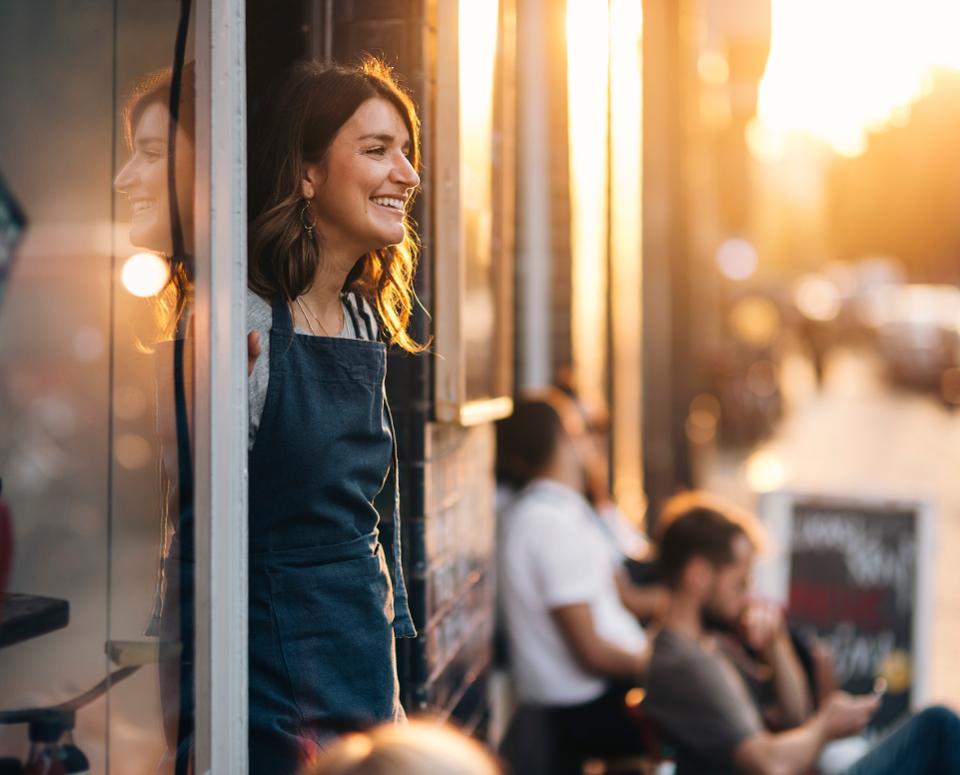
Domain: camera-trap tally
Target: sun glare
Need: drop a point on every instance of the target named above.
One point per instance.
(839, 69)
(588, 54)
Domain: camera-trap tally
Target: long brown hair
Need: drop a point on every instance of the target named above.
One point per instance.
(298, 127)
(156, 88)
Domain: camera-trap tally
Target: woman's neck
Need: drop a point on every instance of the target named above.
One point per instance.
(323, 296)
(321, 301)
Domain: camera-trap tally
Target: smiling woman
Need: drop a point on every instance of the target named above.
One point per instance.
(357, 129)
(332, 256)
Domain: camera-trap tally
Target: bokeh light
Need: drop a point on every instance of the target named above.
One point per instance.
(145, 274)
(712, 67)
(765, 471)
(702, 419)
(89, 343)
(132, 451)
(817, 298)
(755, 320)
(737, 259)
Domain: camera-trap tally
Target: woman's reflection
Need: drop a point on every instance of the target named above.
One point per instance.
(158, 180)
(146, 178)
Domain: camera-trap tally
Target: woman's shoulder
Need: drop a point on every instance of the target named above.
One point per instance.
(259, 312)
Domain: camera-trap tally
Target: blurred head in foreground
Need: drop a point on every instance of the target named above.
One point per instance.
(417, 748)
(706, 548)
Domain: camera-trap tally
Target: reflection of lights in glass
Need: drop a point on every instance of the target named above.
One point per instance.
(132, 451)
(872, 61)
(713, 68)
(144, 274)
(129, 402)
(765, 472)
(588, 53)
(737, 259)
(701, 424)
(88, 344)
(755, 320)
(817, 298)
(57, 415)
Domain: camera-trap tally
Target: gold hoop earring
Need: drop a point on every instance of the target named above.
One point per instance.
(308, 225)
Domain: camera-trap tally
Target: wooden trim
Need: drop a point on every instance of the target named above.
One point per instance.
(449, 281)
(452, 404)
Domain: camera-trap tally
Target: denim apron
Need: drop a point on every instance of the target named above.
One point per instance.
(323, 609)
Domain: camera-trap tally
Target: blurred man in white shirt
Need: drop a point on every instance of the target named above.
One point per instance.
(571, 618)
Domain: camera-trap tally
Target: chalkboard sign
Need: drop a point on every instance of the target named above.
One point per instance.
(856, 573)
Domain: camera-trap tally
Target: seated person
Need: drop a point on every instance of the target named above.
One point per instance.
(631, 542)
(575, 647)
(701, 702)
(773, 660)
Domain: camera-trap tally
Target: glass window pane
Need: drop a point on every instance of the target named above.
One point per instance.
(89, 452)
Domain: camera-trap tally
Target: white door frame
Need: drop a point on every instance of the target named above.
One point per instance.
(221, 397)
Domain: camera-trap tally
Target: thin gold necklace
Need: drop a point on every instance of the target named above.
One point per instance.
(308, 314)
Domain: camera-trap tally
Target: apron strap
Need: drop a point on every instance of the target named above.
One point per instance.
(403, 626)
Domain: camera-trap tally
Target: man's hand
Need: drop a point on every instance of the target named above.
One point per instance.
(762, 624)
(794, 752)
(843, 715)
(253, 350)
(765, 631)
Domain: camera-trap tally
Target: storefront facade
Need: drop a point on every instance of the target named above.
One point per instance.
(95, 389)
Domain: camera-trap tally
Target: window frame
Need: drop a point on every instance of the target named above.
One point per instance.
(221, 398)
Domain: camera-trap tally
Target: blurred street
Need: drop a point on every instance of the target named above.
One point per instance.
(861, 436)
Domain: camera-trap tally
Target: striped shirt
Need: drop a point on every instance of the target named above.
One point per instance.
(359, 322)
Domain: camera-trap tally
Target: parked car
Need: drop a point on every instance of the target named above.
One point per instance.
(917, 331)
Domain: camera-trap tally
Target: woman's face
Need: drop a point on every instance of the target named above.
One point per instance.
(361, 190)
(144, 180)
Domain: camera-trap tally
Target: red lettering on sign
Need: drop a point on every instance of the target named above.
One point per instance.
(826, 604)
